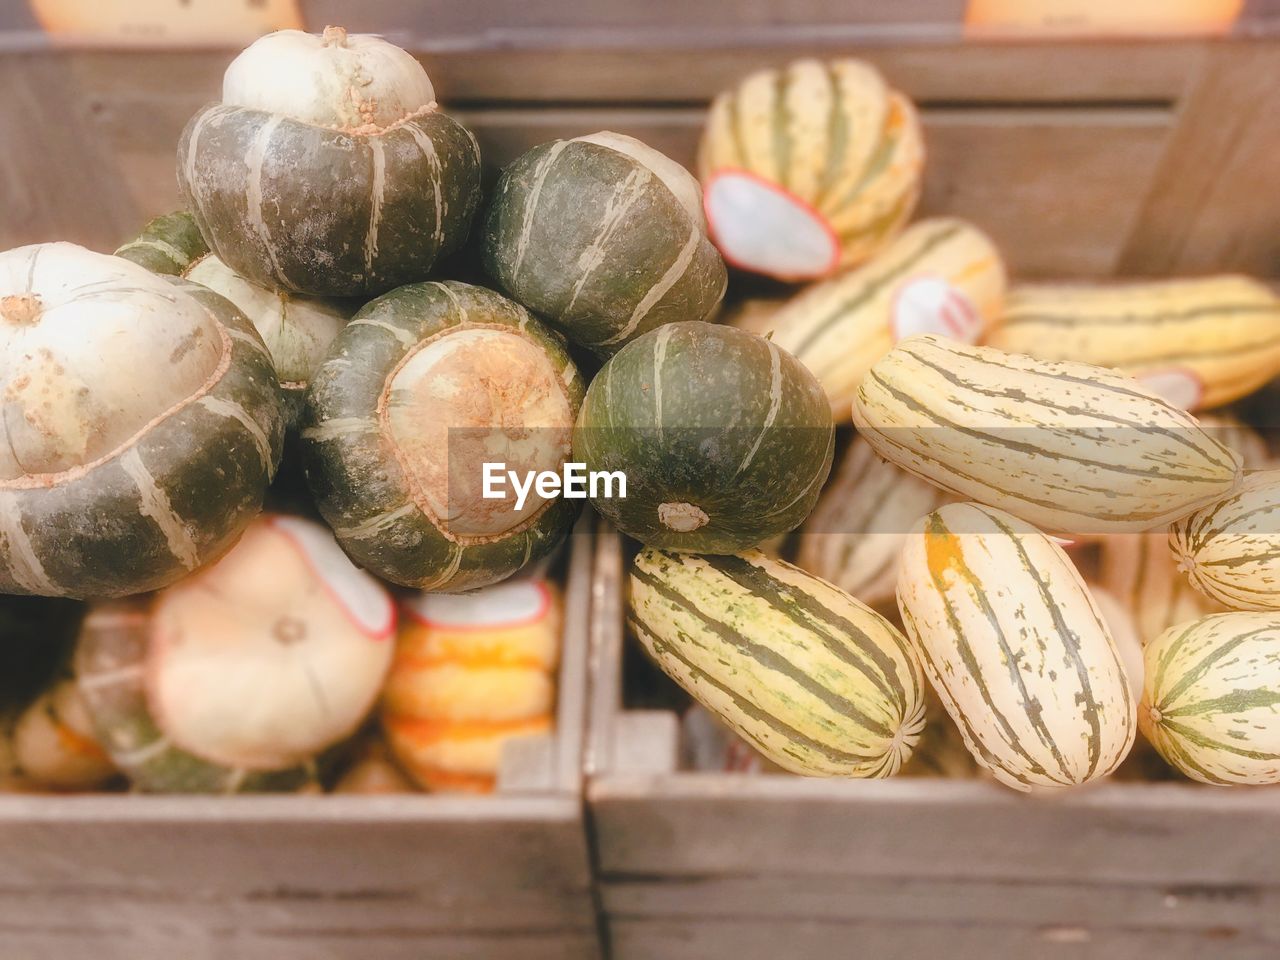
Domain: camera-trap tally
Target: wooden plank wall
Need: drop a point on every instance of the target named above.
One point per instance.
(1081, 157)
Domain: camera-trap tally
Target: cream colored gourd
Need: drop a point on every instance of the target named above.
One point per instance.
(809, 169)
(854, 536)
(940, 276)
(238, 678)
(1198, 342)
(1016, 647)
(1230, 549)
(1211, 705)
(1069, 447)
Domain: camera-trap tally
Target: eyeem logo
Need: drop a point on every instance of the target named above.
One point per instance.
(574, 482)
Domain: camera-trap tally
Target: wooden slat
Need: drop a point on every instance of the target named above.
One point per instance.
(787, 897)
(1211, 204)
(1121, 833)
(56, 178)
(745, 940)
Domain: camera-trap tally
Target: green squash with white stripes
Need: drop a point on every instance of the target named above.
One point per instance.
(140, 424)
(1069, 447)
(328, 168)
(819, 683)
(1016, 648)
(1211, 697)
(425, 385)
(724, 439)
(605, 238)
(296, 329)
(1230, 550)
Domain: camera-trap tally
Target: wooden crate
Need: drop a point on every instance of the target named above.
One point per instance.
(705, 865)
(312, 877)
(1082, 157)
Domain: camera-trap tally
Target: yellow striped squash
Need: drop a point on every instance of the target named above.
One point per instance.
(1066, 446)
(855, 534)
(1141, 573)
(816, 681)
(1211, 697)
(1199, 342)
(810, 168)
(1016, 648)
(1230, 550)
(940, 276)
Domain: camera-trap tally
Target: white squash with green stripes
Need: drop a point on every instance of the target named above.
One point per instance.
(1069, 447)
(1016, 647)
(941, 276)
(1211, 704)
(816, 681)
(1230, 550)
(809, 169)
(1200, 342)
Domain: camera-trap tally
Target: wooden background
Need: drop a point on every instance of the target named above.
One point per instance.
(1081, 156)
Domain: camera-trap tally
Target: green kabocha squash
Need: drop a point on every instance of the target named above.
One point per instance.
(605, 237)
(425, 385)
(724, 439)
(297, 329)
(140, 423)
(328, 168)
(244, 677)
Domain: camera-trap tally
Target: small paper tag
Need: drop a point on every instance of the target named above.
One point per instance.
(932, 305)
(1100, 17)
(160, 22)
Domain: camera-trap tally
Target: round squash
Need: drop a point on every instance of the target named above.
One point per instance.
(725, 439)
(140, 423)
(472, 672)
(327, 168)
(809, 169)
(52, 744)
(605, 237)
(1209, 704)
(240, 677)
(423, 387)
(296, 329)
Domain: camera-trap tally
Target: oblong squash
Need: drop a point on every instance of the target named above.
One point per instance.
(819, 683)
(1230, 550)
(328, 168)
(243, 677)
(1016, 647)
(724, 439)
(855, 534)
(424, 386)
(1069, 447)
(1211, 697)
(940, 276)
(140, 423)
(809, 169)
(604, 237)
(1198, 342)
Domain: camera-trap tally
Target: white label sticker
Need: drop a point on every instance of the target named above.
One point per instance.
(1182, 388)
(502, 605)
(932, 305)
(359, 594)
(758, 226)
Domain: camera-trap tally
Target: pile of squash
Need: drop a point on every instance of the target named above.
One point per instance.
(252, 443)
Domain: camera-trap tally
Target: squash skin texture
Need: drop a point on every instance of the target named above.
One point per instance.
(599, 245)
(325, 212)
(351, 460)
(725, 439)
